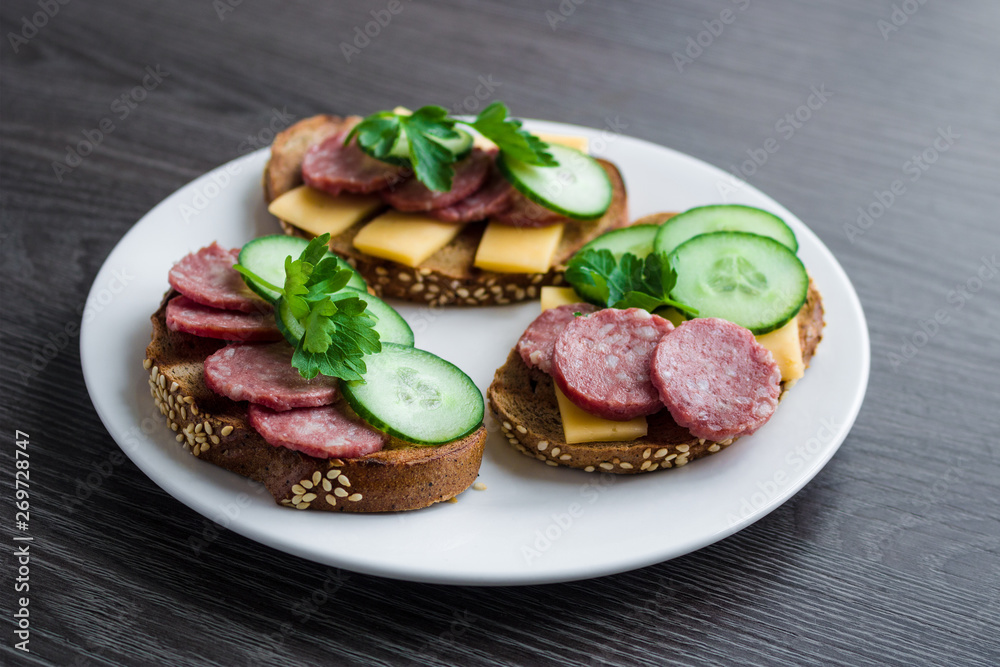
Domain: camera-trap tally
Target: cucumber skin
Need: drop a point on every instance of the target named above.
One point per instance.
(679, 218)
(622, 232)
(367, 415)
(506, 172)
(356, 281)
(756, 331)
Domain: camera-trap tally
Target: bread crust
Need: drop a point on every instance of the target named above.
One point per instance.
(448, 277)
(523, 402)
(215, 429)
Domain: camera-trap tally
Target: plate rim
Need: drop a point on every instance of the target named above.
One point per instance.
(577, 571)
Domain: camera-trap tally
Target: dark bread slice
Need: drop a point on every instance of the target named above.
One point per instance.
(448, 276)
(215, 429)
(523, 402)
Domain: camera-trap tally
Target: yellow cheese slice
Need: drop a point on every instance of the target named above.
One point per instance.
(581, 144)
(508, 249)
(581, 426)
(402, 111)
(553, 297)
(407, 238)
(319, 213)
(784, 345)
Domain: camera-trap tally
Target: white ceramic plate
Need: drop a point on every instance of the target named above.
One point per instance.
(534, 523)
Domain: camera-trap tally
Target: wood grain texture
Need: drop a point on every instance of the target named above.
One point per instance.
(891, 556)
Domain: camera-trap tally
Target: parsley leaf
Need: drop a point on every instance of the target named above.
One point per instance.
(338, 333)
(431, 161)
(629, 282)
(494, 123)
(383, 135)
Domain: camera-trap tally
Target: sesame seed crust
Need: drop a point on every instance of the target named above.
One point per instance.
(523, 405)
(215, 429)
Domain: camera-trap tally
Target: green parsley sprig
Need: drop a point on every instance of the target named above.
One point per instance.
(433, 162)
(628, 282)
(337, 332)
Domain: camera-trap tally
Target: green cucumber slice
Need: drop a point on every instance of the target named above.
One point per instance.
(723, 218)
(637, 240)
(578, 187)
(748, 279)
(399, 154)
(266, 255)
(416, 396)
(390, 325)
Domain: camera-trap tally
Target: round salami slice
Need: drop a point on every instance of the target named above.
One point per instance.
(208, 277)
(264, 374)
(322, 432)
(334, 167)
(601, 362)
(538, 342)
(522, 212)
(412, 195)
(185, 315)
(485, 202)
(716, 380)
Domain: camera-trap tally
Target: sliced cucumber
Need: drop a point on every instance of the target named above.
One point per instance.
(399, 154)
(389, 324)
(723, 218)
(578, 187)
(637, 240)
(416, 396)
(748, 279)
(266, 255)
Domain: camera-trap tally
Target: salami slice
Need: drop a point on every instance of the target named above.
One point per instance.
(334, 167)
(322, 432)
(412, 195)
(716, 380)
(264, 374)
(601, 362)
(185, 315)
(522, 212)
(538, 342)
(208, 277)
(485, 202)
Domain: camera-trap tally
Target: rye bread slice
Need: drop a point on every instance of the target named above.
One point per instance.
(523, 402)
(447, 277)
(214, 428)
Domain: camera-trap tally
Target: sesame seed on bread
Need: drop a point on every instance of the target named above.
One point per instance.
(522, 400)
(447, 277)
(214, 428)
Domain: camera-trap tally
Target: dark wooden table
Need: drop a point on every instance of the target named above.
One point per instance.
(889, 557)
